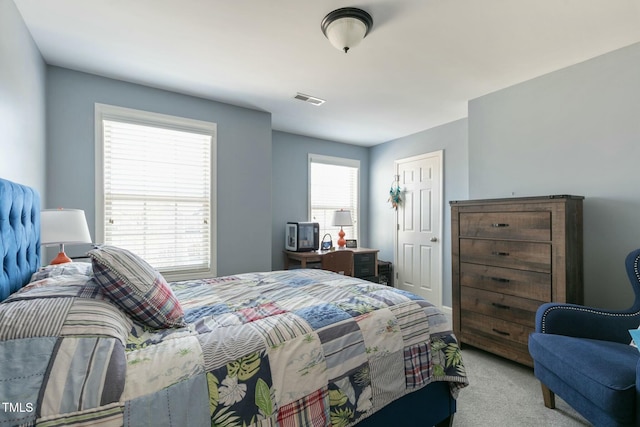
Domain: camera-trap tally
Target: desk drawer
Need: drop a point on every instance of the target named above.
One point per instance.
(364, 264)
(506, 225)
(504, 253)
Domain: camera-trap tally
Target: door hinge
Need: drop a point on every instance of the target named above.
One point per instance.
(398, 227)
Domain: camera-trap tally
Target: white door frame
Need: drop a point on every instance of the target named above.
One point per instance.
(440, 155)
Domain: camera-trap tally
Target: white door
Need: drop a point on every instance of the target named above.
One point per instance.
(418, 251)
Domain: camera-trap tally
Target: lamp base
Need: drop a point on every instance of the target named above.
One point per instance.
(341, 240)
(62, 258)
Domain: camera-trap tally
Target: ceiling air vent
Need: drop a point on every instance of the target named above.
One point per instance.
(310, 99)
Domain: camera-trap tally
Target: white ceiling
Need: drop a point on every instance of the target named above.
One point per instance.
(420, 64)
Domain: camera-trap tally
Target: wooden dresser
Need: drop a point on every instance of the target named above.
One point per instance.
(508, 257)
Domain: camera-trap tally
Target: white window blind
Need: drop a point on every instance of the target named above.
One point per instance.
(157, 192)
(333, 185)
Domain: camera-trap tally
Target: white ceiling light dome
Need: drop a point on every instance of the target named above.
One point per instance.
(346, 27)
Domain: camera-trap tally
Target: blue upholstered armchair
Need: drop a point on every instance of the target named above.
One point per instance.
(583, 355)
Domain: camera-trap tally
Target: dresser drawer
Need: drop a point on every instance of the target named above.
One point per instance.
(505, 348)
(500, 306)
(520, 283)
(364, 264)
(504, 253)
(506, 225)
(475, 322)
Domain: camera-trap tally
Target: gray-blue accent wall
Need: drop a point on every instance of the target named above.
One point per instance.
(243, 206)
(574, 131)
(22, 102)
(291, 184)
(452, 139)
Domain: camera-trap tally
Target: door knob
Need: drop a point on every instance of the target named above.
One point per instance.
(434, 239)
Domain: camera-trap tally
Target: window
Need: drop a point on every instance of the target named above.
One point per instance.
(333, 185)
(154, 188)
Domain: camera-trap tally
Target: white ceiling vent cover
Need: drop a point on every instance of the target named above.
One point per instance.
(310, 99)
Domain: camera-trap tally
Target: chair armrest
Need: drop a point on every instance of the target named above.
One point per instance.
(586, 322)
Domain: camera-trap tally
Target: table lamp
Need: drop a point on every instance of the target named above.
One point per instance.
(341, 218)
(63, 226)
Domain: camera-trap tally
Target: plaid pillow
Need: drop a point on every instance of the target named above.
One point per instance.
(136, 287)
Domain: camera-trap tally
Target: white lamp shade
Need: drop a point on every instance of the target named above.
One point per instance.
(345, 33)
(342, 218)
(63, 226)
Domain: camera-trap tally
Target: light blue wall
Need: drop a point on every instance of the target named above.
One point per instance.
(291, 183)
(243, 158)
(452, 139)
(22, 102)
(574, 131)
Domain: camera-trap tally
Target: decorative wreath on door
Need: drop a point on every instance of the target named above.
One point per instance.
(394, 193)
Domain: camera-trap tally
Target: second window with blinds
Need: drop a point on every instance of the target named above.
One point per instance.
(333, 185)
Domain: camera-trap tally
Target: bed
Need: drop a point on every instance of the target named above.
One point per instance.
(111, 343)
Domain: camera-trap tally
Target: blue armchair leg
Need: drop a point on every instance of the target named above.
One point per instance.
(548, 396)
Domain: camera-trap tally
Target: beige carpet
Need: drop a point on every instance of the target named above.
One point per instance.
(504, 393)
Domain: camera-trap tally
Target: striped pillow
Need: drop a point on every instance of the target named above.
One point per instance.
(136, 287)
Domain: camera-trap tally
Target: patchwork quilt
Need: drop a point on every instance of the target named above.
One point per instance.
(282, 348)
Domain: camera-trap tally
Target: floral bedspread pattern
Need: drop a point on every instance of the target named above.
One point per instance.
(283, 348)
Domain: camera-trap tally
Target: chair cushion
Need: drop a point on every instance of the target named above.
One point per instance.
(602, 372)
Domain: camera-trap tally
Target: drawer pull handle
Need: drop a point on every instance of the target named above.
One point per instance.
(500, 253)
(500, 225)
(497, 331)
(500, 279)
(502, 306)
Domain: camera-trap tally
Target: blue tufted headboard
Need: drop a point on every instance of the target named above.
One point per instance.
(19, 235)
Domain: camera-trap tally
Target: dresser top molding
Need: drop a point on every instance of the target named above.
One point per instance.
(552, 197)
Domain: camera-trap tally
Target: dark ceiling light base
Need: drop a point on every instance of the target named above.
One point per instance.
(346, 27)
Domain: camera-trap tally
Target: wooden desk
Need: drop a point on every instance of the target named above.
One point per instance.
(365, 260)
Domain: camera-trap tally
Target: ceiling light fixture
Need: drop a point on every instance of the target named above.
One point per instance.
(346, 27)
